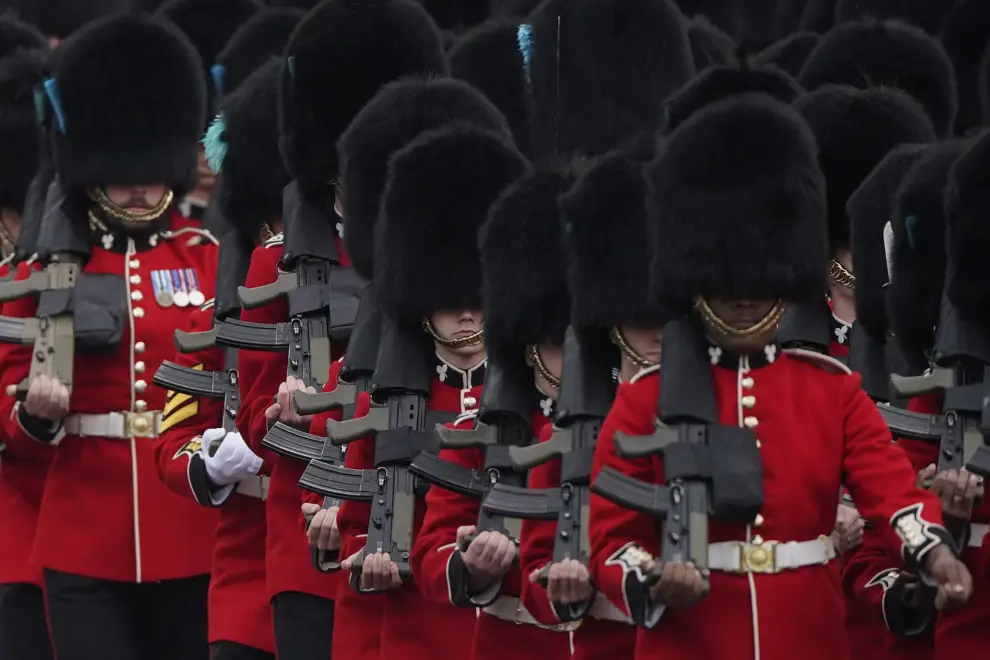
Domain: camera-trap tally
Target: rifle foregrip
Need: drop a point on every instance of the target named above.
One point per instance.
(192, 342)
(259, 296)
(342, 433)
(910, 386)
(526, 458)
(635, 446)
(321, 402)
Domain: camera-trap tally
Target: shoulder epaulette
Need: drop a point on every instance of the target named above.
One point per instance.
(643, 373)
(208, 305)
(274, 241)
(826, 362)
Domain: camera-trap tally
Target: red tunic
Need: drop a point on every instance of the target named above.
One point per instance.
(409, 621)
(816, 430)
(104, 512)
(439, 578)
(238, 601)
(606, 632)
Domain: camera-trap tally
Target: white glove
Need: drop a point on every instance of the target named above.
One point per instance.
(233, 460)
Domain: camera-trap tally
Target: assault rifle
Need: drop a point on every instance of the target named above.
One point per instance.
(726, 482)
(53, 332)
(401, 427)
(586, 395)
(504, 422)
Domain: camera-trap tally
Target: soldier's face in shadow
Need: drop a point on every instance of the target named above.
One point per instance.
(460, 324)
(743, 315)
(646, 342)
(137, 199)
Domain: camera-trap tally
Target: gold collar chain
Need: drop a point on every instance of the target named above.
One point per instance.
(619, 340)
(533, 354)
(471, 340)
(838, 274)
(131, 217)
(771, 319)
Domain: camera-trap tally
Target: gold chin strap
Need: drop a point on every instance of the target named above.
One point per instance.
(266, 232)
(711, 318)
(619, 340)
(838, 274)
(533, 355)
(129, 217)
(454, 344)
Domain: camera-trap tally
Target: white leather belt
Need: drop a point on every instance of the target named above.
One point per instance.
(256, 487)
(604, 610)
(769, 556)
(509, 608)
(115, 425)
(977, 532)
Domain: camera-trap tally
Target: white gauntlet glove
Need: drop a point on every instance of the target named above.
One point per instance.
(233, 460)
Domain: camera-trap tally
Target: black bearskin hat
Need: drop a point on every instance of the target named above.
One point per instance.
(61, 18)
(818, 16)
(440, 187)
(393, 118)
(23, 50)
(914, 296)
(869, 211)
(887, 54)
(489, 58)
(524, 265)
(965, 35)
(718, 83)
(457, 15)
(304, 5)
(209, 24)
(855, 129)
(709, 45)
(262, 37)
(967, 238)
(925, 14)
(608, 247)
(246, 134)
(984, 86)
(601, 86)
(133, 103)
(790, 53)
(512, 8)
(738, 206)
(726, 15)
(338, 58)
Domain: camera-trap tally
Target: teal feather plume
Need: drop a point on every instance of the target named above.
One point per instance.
(213, 142)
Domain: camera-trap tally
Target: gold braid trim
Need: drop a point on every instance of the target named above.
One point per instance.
(619, 340)
(533, 354)
(770, 320)
(470, 340)
(838, 274)
(130, 217)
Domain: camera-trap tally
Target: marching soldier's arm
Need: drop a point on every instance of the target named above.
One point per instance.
(621, 539)
(438, 566)
(882, 481)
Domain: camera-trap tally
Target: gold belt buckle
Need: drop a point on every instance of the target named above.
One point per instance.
(760, 558)
(140, 425)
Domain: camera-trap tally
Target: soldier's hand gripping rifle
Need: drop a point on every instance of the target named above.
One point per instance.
(53, 332)
(709, 468)
(402, 428)
(586, 394)
(504, 422)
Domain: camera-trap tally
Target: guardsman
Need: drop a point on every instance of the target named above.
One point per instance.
(340, 54)
(128, 100)
(756, 241)
(243, 146)
(209, 24)
(854, 130)
(394, 117)
(524, 294)
(23, 628)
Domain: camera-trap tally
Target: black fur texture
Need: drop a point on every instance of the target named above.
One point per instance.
(601, 86)
(869, 209)
(965, 35)
(887, 54)
(341, 53)
(737, 206)
(790, 53)
(854, 130)
(440, 187)
(61, 18)
(134, 99)
(924, 14)
(710, 46)
(524, 265)
(260, 38)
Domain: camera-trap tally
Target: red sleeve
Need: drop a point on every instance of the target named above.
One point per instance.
(184, 420)
(882, 481)
(620, 536)
(261, 371)
(537, 540)
(867, 576)
(438, 577)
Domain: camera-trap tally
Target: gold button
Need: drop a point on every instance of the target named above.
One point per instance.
(747, 382)
(139, 347)
(140, 406)
(470, 401)
(757, 540)
(139, 367)
(748, 401)
(758, 522)
(135, 279)
(134, 263)
(138, 313)
(751, 422)
(140, 386)
(136, 295)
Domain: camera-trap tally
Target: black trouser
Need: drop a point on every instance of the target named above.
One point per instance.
(23, 627)
(303, 626)
(235, 651)
(93, 618)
